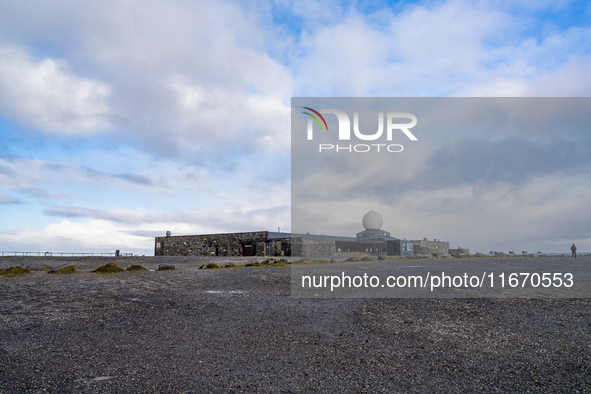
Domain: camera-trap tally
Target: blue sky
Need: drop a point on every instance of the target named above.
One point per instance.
(122, 120)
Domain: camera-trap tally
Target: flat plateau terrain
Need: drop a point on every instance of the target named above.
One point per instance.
(239, 330)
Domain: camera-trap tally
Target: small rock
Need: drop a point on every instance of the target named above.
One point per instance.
(104, 378)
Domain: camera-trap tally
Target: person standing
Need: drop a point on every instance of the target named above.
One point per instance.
(574, 250)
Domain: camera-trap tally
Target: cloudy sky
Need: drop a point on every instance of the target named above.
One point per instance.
(484, 173)
(122, 120)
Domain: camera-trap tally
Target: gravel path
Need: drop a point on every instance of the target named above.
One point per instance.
(238, 330)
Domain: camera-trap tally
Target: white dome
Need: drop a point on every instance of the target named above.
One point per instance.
(372, 221)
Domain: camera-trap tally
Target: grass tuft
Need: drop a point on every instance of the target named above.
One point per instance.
(70, 269)
(108, 269)
(15, 271)
(136, 268)
(211, 266)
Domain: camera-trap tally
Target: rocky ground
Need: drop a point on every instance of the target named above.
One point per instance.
(239, 330)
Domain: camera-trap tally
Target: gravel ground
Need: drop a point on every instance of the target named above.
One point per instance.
(238, 330)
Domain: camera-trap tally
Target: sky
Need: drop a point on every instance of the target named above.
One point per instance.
(123, 120)
(501, 174)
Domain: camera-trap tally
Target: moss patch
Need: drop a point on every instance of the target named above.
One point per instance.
(166, 268)
(136, 268)
(70, 269)
(281, 264)
(366, 258)
(108, 269)
(15, 271)
(252, 264)
(211, 265)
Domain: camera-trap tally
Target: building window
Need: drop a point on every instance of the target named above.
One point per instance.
(158, 245)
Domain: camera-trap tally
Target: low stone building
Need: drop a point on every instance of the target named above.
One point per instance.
(372, 241)
(459, 251)
(254, 243)
(429, 248)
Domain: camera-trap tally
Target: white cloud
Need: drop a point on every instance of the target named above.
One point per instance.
(496, 217)
(190, 78)
(207, 84)
(6, 199)
(230, 120)
(48, 95)
(420, 51)
(454, 48)
(93, 230)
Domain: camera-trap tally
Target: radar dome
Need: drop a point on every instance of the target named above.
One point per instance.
(372, 221)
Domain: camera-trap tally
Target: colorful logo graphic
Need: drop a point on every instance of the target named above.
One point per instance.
(315, 118)
(344, 130)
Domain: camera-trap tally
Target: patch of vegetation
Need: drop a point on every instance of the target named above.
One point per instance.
(366, 258)
(281, 264)
(201, 266)
(252, 264)
(70, 269)
(15, 271)
(210, 266)
(352, 258)
(265, 262)
(136, 268)
(108, 269)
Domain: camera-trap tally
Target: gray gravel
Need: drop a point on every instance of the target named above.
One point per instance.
(238, 330)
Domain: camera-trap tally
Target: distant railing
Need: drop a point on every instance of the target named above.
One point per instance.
(49, 254)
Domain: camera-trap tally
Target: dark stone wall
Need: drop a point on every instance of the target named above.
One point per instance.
(230, 244)
(280, 247)
(312, 247)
